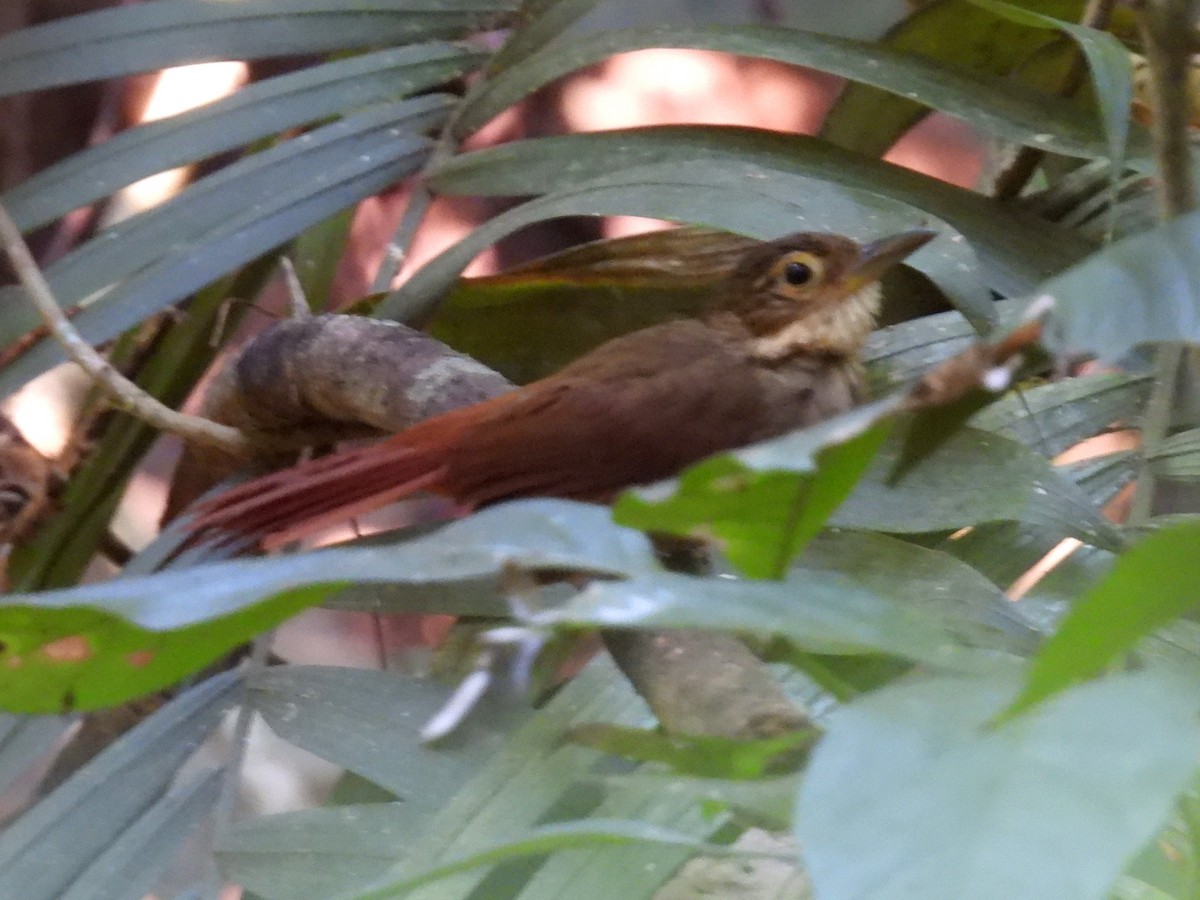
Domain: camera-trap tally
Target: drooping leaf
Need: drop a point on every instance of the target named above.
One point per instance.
(1149, 586)
(261, 109)
(1002, 107)
(1108, 61)
(955, 34)
(1143, 288)
(540, 22)
(104, 643)
(1016, 250)
(911, 794)
(223, 221)
(731, 195)
(972, 478)
(144, 37)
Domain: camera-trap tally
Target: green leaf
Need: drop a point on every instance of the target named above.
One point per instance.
(1149, 586)
(218, 224)
(104, 643)
(86, 648)
(956, 35)
(139, 38)
(24, 740)
(1110, 64)
(1004, 551)
(534, 778)
(317, 853)
(1004, 108)
(733, 196)
(1017, 250)
(261, 109)
(705, 755)
(530, 321)
(1143, 288)
(86, 818)
(548, 839)
(1177, 458)
(541, 21)
(972, 478)
(1050, 418)
(764, 503)
(932, 581)
(134, 862)
(910, 794)
(820, 612)
(346, 715)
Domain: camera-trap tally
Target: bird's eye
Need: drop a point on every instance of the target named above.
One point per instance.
(797, 273)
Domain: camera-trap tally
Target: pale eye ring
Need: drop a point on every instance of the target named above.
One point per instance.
(797, 273)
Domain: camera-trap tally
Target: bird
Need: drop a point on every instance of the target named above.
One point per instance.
(778, 348)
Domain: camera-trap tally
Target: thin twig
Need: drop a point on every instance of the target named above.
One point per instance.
(121, 391)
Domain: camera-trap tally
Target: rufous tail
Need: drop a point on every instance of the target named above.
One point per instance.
(293, 503)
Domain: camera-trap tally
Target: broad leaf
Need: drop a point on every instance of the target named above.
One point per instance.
(346, 715)
(1143, 288)
(823, 612)
(1149, 586)
(764, 503)
(972, 478)
(912, 794)
(1109, 62)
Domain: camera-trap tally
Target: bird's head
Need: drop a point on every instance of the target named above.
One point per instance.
(811, 291)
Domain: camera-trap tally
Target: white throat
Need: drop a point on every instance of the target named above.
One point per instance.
(838, 328)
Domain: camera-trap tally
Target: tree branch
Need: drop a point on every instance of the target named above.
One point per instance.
(122, 392)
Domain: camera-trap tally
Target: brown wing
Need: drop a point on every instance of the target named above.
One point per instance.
(637, 410)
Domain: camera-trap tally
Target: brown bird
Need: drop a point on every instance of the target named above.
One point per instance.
(779, 349)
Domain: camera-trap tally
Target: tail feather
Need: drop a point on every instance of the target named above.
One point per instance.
(295, 502)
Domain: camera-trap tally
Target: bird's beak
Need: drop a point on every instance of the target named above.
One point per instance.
(877, 257)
